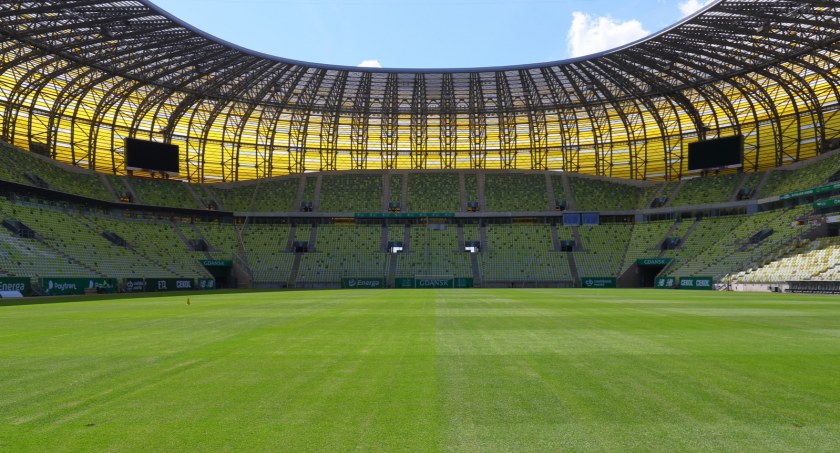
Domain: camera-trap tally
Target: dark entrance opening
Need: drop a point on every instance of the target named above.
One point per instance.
(647, 275)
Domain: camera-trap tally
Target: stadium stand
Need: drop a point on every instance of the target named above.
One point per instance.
(783, 181)
(647, 195)
(523, 253)
(604, 249)
(729, 247)
(160, 192)
(273, 195)
(814, 260)
(600, 195)
(70, 240)
(19, 166)
(222, 239)
(351, 193)
(434, 192)
(433, 250)
(266, 249)
(644, 240)
(471, 189)
(708, 189)
(510, 192)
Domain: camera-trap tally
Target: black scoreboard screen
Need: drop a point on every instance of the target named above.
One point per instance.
(716, 153)
(153, 156)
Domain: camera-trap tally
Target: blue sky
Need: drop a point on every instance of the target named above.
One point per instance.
(430, 33)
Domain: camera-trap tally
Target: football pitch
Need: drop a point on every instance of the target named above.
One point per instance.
(423, 370)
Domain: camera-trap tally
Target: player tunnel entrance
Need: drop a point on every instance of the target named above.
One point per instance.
(649, 268)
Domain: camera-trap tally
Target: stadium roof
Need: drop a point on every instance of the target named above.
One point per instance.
(81, 75)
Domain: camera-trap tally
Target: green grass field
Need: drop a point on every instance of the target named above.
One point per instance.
(424, 370)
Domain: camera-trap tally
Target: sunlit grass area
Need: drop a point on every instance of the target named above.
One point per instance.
(423, 370)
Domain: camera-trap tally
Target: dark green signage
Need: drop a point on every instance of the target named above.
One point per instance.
(134, 285)
(702, 283)
(169, 284)
(653, 261)
(404, 283)
(217, 263)
(599, 282)
(834, 202)
(434, 282)
(665, 283)
(363, 283)
(464, 282)
(813, 191)
(67, 286)
(403, 215)
(22, 285)
(206, 283)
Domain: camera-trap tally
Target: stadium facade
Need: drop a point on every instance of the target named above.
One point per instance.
(77, 77)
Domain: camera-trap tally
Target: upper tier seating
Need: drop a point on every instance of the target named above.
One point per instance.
(351, 193)
(708, 189)
(506, 192)
(270, 195)
(811, 175)
(15, 163)
(599, 195)
(433, 192)
(160, 192)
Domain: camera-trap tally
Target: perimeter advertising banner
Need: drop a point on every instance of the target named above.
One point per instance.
(169, 284)
(599, 282)
(404, 283)
(22, 285)
(206, 283)
(702, 283)
(363, 283)
(68, 286)
(464, 282)
(434, 282)
(665, 283)
(134, 285)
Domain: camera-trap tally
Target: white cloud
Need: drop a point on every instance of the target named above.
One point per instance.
(689, 7)
(590, 35)
(370, 64)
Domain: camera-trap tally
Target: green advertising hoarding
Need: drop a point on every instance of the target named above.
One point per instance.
(599, 282)
(134, 285)
(206, 283)
(363, 283)
(701, 283)
(22, 285)
(434, 282)
(170, 284)
(834, 202)
(68, 286)
(813, 191)
(665, 283)
(464, 282)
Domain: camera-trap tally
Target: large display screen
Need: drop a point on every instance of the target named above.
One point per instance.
(153, 156)
(716, 153)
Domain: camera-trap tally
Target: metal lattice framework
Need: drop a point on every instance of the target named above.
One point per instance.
(82, 75)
